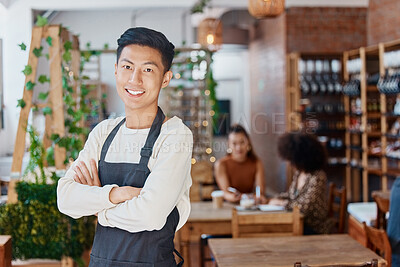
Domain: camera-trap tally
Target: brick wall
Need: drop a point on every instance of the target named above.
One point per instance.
(324, 30)
(267, 53)
(383, 22)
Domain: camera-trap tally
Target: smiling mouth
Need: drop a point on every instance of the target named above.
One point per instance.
(135, 92)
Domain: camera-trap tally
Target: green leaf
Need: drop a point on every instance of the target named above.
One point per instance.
(84, 91)
(29, 86)
(43, 79)
(41, 21)
(49, 40)
(38, 51)
(21, 103)
(106, 46)
(23, 46)
(67, 56)
(104, 95)
(47, 56)
(55, 137)
(88, 44)
(68, 99)
(47, 111)
(27, 70)
(68, 45)
(86, 55)
(43, 96)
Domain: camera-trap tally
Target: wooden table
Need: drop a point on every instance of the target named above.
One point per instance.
(382, 194)
(203, 219)
(355, 227)
(285, 251)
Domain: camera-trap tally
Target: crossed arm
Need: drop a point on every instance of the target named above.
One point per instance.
(117, 194)
(80, 193)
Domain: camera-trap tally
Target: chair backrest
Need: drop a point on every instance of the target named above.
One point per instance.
(337, 206)
(373, 263)
(378, 241)
(382, 205)
(259, 224)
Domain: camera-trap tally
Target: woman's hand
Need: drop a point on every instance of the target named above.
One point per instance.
(82, 174)
(277, 202)
(231, 197)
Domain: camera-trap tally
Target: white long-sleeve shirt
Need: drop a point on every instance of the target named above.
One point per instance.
(167, 185)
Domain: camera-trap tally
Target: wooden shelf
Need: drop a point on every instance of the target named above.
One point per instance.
(296, 115)
(391, 115)
(372, 88)
(374, 134)
(374, 115)
(393, 172)
(371, 61)
(392, 158)
(356, 148)
(377, 172)
(352, 114)
(355, 131)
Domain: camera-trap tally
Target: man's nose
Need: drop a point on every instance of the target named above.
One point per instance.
(136, 77)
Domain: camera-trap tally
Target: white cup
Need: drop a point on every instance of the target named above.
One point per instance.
(217, 199)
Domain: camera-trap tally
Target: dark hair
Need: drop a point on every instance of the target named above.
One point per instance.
(303, 151)
(237, 128)
(151, 38)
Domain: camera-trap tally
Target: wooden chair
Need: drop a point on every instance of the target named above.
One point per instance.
(258, 224)
(378, 241)
(5, 251)
(382, 205)
(337, 207)
(373, 263)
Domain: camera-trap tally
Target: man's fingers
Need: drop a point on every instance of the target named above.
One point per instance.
(77, 176)
(85, 172)
(78, 173)
(96, 180)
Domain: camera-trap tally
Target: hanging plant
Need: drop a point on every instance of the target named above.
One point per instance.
(37, 228)
(199, 6)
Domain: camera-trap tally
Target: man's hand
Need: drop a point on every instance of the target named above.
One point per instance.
(117, 194)
(124, 193)
(82, 174)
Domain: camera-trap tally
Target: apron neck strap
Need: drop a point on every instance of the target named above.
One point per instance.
(109, 139)
(147, 149)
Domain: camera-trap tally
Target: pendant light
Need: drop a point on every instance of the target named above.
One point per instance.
(266, 8)
(209, 33)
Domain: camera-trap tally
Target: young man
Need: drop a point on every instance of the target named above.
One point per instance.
(134, 172)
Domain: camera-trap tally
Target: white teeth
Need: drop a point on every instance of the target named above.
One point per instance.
(135, 92)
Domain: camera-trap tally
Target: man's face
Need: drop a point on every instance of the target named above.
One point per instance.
(139, 75)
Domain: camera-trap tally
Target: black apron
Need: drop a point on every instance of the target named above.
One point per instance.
(113, 247)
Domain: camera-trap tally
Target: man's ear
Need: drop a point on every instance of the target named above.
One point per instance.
(166, 79)
(116, 66)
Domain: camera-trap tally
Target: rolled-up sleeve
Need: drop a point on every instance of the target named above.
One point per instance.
(77, 200)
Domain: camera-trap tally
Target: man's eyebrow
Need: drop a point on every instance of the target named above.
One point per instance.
(127, 60)
(145, 63)
(151, 63)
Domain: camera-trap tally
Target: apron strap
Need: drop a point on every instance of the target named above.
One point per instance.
(147, 149)
(179, 255)
(109, 139)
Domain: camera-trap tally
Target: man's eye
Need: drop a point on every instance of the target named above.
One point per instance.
(127, 67)
(148, 70)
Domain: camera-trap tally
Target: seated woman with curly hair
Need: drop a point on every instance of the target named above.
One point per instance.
(308, 188)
